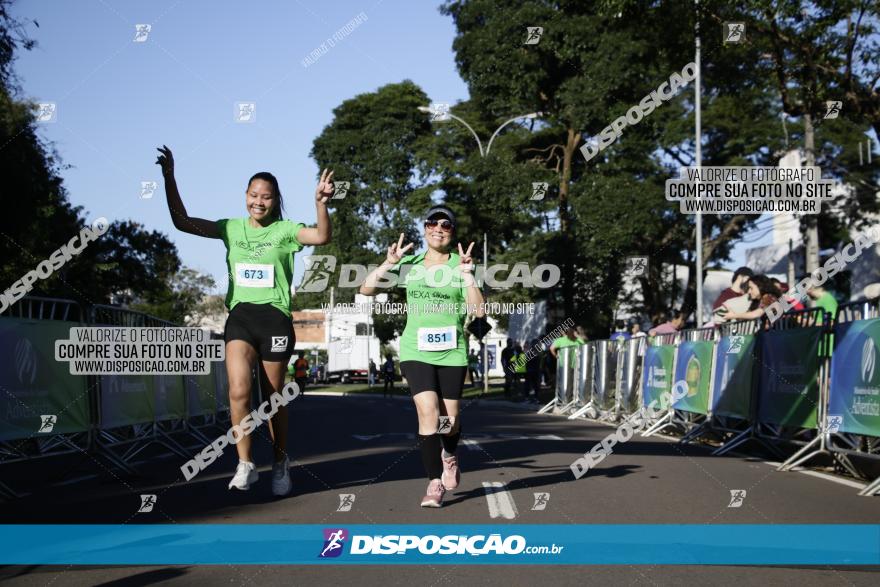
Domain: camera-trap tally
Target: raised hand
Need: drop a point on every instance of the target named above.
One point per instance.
(396, 251)
(325, 187)
(165, 161)
(465, 261)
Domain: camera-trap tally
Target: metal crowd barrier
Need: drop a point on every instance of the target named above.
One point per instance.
(111, 417)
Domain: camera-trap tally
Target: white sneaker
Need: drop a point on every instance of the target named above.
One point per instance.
(245, 474)
(281, 478)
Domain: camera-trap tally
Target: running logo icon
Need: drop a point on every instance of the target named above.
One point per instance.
(737, 496)
(833, 422)
(279, 344)
(317, 275)
(445, 426)
(439, 112)
(541, 500)
(734, 346)
(147, 503)
(245, 112)
(539, 190)
(346, 500)
(147, 189)
(333, 542)
(533, 35)
(47, 423)
(832, 109)
(340, 189)
(734, 32)
(47, 112)
(141, 32)
(636, 266)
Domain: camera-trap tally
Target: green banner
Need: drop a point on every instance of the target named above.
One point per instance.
(789, 385)
(855, 378)
(657, 373)
(170, 397)
(694, 366)
(734, 365)
(34, 387)
(126, 400)
(201, 392)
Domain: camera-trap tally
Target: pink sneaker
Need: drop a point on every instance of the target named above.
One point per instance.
(451, 475)
(434, 497)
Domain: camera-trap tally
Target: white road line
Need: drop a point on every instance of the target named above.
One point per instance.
(500, 500)
(471, 444)
(548, 437)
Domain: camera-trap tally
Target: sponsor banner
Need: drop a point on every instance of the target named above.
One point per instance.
(694, 367)
(126, 400)
(855, 377)
(200, 393)
(437, 544)
(788, 394)
(34, 384)
(734, 365)
(170, 397)
(657, 373)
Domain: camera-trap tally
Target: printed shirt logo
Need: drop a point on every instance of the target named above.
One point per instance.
(279, 344)
(333, 542)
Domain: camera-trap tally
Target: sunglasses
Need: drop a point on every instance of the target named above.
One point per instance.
(443, 224)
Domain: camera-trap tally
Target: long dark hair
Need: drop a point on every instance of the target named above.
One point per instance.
(765, 286)
(278, 208)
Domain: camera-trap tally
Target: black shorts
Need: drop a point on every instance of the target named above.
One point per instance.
(264, 327)
(446, 381)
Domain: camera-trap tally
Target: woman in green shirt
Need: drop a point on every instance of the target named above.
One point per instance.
(259, 330)
(440, 291)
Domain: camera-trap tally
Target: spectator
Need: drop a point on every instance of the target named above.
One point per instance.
(301, 373)
(472, 366)
(761, 293)
(533, 372)
(519, 368)
(795, 303)
(738, 286)
(636, 330)
(570, 339)
(581, 334)
(373, 371)
(670, 326)
(388, 371)
(506, 355)
(822, 298)
(620, 332)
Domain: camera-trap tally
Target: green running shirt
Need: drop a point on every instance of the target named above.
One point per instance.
(440, 330)
(259, 261)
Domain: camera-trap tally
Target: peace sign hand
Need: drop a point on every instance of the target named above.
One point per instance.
(466, 264)
(165, 161)
(396, 251)
(325, 187)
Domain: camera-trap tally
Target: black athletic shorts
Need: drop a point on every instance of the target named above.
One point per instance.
(264, 327)
(446, 381)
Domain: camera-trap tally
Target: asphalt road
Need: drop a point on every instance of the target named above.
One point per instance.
(365, 446)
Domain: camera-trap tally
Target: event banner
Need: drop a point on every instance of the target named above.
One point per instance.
(734, 365)
(440, 544)
(170, 397)
(694, 366)
(39, 395)
(657, 372)
(126, 400)
(789, 385)
(201, 391)
(855, 377)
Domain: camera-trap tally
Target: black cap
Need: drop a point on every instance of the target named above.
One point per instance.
(441, 211)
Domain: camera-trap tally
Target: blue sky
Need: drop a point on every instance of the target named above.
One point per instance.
(117, 100)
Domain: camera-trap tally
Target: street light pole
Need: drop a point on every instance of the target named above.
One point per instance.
(473, 132)
(699, 162)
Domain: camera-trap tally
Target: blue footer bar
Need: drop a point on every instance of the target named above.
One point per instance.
(654, 544)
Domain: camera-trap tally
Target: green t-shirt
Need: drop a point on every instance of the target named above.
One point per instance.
(436, 326)
(564, 341)
(828, 304)
(259, 261)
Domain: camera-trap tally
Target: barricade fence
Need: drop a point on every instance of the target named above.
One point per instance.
(46, 411)
(808, 380)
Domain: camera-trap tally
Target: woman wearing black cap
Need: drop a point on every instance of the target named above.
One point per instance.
(440, 291)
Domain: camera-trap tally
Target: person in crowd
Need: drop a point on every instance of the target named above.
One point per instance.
(795, 303)
(570, 338)
(388, 372)
(472, 366)
(636, 330)
(519, 368)
(301, 372)
(533, 372)
(738, 286)
(371, 375)
(762, 293)
(581, 334)
(506, 355)
(620, 332)
(670, 326)
(822, 298)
